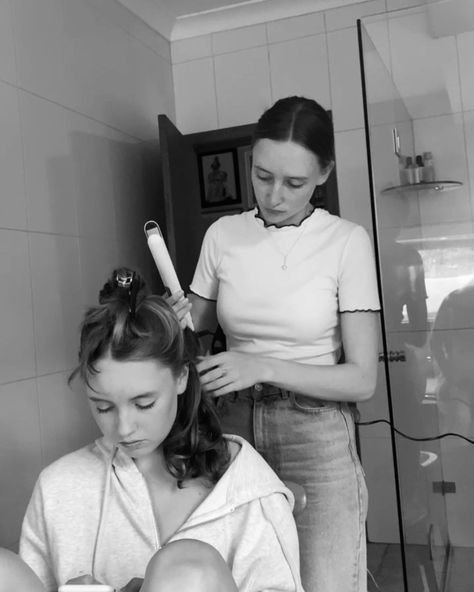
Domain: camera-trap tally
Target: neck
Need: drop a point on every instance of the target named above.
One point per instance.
(294, 221)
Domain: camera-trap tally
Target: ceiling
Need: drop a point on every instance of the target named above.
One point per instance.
(178, 19)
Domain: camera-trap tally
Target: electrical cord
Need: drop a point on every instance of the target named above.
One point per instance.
(427, 439)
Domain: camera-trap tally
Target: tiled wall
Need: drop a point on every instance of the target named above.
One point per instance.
(81, 85)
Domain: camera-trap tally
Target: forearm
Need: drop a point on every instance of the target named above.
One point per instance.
(340, 382)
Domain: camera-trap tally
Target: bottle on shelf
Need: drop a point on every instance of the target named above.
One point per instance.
(428, 168)
(410, 170)
(421, 168)
(417, 169)
(402, 172)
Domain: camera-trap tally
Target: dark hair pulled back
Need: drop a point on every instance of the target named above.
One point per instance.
(301, 120)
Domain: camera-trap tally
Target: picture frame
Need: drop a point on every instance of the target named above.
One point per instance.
(219, 181)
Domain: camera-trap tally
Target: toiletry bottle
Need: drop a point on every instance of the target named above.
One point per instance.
(419, 169)
(428, 169)
(402, 172)
(409, 169)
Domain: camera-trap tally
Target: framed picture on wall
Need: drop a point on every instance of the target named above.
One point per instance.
(219, 180)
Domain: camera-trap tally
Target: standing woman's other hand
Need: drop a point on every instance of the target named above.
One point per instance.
(180, 304)
(230, 371)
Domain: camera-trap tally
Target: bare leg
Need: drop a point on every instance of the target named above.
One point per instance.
(188, 565)
(16, 575)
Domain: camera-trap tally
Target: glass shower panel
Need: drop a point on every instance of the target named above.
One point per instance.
(419, 562)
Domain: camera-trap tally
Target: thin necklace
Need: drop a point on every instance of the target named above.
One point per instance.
(285, 256)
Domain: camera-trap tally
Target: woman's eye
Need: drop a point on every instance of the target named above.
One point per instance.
(144, 407)
(263, 178)
(103, 409)
(295, 185)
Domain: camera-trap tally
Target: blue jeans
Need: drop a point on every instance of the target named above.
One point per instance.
(311, 442)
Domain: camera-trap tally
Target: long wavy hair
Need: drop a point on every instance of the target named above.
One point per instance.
(130, 324)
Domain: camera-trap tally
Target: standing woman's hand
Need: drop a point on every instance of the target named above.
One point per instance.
(230, 371)
(180, 304)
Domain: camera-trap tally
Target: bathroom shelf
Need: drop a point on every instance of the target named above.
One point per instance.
(433, 186)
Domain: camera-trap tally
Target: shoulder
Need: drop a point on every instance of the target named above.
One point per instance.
(233, 222)
(71, 468)
(322, 221)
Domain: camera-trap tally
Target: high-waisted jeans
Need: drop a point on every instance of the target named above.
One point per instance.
(311, 442)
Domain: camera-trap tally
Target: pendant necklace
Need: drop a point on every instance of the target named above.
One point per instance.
(285, 256)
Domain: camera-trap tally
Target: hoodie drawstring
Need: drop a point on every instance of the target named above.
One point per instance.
(103, 509)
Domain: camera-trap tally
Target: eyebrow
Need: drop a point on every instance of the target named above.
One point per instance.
(294, 177)
(141, 396)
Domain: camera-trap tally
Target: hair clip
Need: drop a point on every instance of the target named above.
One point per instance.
(126, 280)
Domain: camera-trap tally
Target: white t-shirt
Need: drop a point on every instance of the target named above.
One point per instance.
(292, 313)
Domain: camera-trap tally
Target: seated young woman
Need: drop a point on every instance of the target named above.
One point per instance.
(163, 501)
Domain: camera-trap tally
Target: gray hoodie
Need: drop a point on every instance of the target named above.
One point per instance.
(91, 513)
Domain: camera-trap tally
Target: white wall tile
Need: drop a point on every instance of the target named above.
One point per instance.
(145, 34)
(377, 28)
(243, 86)
(236, 39)
(39, 46)
(195, 92)
(130, 200)
(469, 133)
(20, 455)
(17, 354)
(49, 177)
(150, 92)
(65, 418)
(402, 4)
(352, 177)
(298, 26)
(466, 51)
(428, 84)
(98, 260)
(97, 74)
(300, 67)
(444, 137)
(93, 183)
(344, 70)
(13, 202)
(57, 300)
(7, 51)
(193, 48)
(346, 16)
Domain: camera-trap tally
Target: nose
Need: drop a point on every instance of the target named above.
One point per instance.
(125, 426)
(274, 195)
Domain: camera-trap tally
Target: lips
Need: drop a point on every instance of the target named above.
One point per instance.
(131, 443)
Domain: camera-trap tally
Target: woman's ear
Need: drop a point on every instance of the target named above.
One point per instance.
(323, 176)
(182, 382)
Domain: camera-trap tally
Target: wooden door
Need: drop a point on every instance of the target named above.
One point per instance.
(182, 199)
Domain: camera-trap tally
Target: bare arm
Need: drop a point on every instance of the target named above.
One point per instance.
(353, 380)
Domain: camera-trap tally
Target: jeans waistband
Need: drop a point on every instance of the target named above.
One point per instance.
(261, 391)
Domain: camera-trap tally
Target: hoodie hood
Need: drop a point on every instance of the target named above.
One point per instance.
(247, 478)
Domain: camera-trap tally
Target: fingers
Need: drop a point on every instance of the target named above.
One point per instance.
(215, 376)
(180, 304)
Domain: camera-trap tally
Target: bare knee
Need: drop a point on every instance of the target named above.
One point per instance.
(16, 575)
(188, 565)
